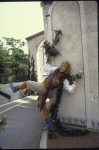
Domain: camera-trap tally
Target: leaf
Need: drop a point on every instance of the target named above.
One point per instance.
(50, 49)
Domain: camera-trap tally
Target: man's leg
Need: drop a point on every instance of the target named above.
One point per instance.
(45, 112)
(22, 86)
(47, 118)
(19, 87)
(32, 85)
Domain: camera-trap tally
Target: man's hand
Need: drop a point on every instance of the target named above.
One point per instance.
(49, 59)
(76, 79)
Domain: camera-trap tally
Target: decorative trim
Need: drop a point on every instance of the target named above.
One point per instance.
(85, 57)
(69, 120)
(50, 28)
(39, 42)
(35, 35)
(94, 98)
(90, 6)
(73, 121)
(92, 28)
(95, 124)
(50, 22)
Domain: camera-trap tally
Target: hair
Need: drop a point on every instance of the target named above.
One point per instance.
(68, 70)
(66, 74)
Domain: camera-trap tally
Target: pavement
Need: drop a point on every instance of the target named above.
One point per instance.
(25, 129)
(6, 89)
(90, 140)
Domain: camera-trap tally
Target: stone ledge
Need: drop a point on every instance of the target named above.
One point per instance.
(43, 140)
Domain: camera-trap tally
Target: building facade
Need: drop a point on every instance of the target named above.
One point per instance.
(35, 49)
(79, 46)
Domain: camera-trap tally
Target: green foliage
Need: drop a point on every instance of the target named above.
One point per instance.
(51, 133)
(3, 122)
(11, 79)
(14, 64)
(63, 131)
(26, 92)
(14, 43)
(29, 66)
(53, 110)
(3, 54)
(45, 3)
(57, 37)
(50, 49)
(4, 80)
(32, 76)
(32, 73)
(78, 76)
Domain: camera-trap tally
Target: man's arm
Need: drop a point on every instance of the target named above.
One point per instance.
(47, 68)
(69, 88)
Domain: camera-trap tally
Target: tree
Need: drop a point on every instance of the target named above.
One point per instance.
(29, 66)
(45, 3)
(31, 76)
(3, 122)
(3, 59)
(18, 61)
(32, 73)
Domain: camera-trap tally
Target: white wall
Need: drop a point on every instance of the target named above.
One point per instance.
(66, 16)
(33, 43)
(41, 60)
(92, 47)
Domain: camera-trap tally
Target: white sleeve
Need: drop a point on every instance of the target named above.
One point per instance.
(69, 88)
(48, 69)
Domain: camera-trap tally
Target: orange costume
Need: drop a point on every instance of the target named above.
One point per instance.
(45, 89)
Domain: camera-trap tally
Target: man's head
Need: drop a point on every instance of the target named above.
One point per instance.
(65, 67)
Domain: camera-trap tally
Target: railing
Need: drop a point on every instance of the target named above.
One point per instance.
(5, 95)
(21, 78)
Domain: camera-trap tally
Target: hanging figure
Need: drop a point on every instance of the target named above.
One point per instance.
(52, 81)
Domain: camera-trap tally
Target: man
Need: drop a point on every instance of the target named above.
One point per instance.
(52, 81)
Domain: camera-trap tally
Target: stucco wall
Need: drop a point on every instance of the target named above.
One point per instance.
(41, 61)
(92, 44)
(45, 19)
(92, 47)
(33, 44)
(66, 16)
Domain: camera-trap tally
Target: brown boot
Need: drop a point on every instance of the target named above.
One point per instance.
(22, 86)
(19, 87)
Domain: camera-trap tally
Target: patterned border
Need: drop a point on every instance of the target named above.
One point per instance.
(73, 120)
(78, 122)
(94, 98)
(92, 28)
(85, 57)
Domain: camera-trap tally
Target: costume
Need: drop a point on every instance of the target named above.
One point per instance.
(53, 78)
(44, 89)
(67, 87)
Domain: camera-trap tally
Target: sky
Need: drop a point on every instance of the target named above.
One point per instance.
(20, 20)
